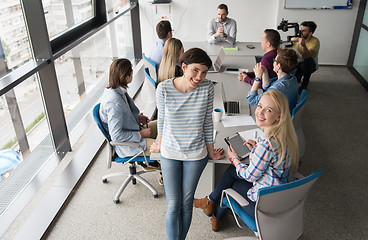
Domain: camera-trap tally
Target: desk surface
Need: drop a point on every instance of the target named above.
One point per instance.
(214, 49)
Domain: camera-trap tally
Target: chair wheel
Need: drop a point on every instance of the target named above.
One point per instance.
(134, 181)
(155, 195)
(116, 201)
(104, 180)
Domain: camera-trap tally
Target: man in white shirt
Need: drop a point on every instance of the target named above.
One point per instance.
(222, 28)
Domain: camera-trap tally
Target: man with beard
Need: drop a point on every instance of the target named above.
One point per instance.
(308, 46)
(222, 28)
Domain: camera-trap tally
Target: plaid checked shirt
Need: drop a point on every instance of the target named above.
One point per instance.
(262, 169)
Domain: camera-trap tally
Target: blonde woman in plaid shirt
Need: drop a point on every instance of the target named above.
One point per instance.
(273, 159)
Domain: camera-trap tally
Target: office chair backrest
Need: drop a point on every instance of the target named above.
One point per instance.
(301, 102)
(280, 209)
(148, 94)
(96, 117)
(148, 76)
(152, 66)
(297, 122)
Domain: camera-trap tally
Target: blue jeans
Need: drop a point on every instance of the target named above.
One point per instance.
(180, 181)
(231, 180)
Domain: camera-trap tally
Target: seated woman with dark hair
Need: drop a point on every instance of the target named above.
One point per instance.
(284, 63)
(120, 116)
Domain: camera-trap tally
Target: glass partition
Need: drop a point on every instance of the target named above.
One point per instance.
(361, 56)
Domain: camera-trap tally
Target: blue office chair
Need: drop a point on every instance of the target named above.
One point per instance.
(152, 66)
(148, 76)
(297, 121)
(148, 95)
(279, 209)
(132, 175)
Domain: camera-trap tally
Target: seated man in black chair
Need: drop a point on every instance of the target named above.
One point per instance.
(308, 46)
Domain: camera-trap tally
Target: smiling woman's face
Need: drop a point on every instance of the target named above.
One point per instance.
(266, 112)
(194, 74)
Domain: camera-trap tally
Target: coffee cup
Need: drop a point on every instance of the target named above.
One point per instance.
(217, 114)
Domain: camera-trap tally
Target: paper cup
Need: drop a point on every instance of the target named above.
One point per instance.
(217, 114)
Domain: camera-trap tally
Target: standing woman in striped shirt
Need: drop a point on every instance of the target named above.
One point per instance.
(185, 137)
(274, 158)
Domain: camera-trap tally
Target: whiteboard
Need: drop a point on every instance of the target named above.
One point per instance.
(318, 4)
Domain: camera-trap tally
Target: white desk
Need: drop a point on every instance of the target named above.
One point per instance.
(234, 90)
(214, 49)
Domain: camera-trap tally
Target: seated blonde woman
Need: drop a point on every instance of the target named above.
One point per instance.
(169, 66)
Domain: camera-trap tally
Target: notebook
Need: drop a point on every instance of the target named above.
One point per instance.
(216, 65)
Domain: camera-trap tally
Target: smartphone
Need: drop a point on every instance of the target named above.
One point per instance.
(232, 69)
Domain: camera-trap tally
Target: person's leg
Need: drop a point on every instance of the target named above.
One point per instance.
(192, 171)
(172, 171)
(226, 181)
(309, 66)
(149, 142)
(242, 187)
(153, 126)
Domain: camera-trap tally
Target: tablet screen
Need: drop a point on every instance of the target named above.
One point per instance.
(237, 143)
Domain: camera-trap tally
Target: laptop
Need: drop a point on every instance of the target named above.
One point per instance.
(216, 65)
(230, 107)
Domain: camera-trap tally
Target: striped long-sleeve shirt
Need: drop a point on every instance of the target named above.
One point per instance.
(262, 169)
(185, 120)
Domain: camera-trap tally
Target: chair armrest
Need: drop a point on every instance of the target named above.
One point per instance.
(236, 196)
(130, 144)
(298, 176)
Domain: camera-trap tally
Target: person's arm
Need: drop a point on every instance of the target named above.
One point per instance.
(160, 101)
(211, 31)
(116, 112)
(213, 153)
(156, 146)
(266, 81)
(231, 36)
(306, 53)
(259, 160)
(253, 97)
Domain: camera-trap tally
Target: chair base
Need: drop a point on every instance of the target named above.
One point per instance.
(133, 175)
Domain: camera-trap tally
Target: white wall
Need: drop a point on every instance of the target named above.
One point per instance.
(189, 20)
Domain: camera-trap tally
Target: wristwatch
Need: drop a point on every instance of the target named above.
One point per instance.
(257, 79)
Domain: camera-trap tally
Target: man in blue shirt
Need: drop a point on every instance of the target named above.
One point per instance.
(164, 32)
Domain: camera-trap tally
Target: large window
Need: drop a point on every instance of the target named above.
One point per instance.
(63, 14)
(14, 45)
(47, 88)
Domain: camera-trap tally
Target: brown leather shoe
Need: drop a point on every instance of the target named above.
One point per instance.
(215, 223)
(207, 205)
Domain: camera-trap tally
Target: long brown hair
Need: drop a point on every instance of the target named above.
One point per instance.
(120, 69)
